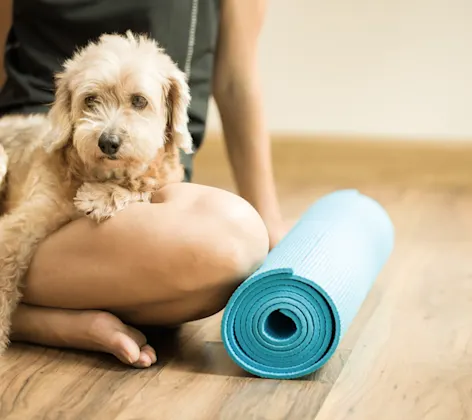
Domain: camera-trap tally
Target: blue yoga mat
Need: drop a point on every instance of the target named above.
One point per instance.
(286, 320)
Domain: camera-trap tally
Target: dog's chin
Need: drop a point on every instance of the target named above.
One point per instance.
(111, 167)
(117, 167)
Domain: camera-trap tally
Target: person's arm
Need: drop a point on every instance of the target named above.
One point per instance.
(237, 93)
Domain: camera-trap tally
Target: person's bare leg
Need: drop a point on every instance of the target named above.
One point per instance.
(82, 329)
(166, 263)
(194, 239)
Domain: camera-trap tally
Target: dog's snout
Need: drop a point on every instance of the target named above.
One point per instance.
(109, 143)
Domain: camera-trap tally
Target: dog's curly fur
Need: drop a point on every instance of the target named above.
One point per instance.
(52, 169)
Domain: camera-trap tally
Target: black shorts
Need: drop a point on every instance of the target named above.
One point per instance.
(187, 160)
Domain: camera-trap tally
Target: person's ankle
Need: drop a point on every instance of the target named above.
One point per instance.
(21, 322)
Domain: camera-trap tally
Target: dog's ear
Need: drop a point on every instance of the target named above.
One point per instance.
(60, 115)
(178, 101)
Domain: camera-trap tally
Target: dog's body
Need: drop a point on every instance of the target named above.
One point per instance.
(112, 138)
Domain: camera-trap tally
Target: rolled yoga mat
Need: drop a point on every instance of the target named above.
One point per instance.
(287, 319)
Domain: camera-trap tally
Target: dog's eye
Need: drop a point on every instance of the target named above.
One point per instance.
(90, 101)
(139, 102)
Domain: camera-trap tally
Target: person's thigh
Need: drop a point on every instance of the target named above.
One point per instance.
(193, 307)
(192, 240)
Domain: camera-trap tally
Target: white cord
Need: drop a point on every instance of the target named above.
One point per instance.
(191, 37)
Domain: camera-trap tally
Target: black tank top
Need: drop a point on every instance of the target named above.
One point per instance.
(46, 32)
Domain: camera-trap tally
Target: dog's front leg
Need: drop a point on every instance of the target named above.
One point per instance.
(21, 231)
(102, 200)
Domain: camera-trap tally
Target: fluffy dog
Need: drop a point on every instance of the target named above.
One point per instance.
(111, 138)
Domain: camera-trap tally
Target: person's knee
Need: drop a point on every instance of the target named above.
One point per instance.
(236, 246)
(224, 240)
(244, 239)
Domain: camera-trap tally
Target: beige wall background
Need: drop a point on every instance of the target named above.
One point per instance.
(400, 68)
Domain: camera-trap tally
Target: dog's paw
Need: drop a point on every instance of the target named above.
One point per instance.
(90, 209)
(96, 201)
(95, 209)
(101, 201)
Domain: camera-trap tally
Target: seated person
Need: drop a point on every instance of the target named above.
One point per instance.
(180, 258)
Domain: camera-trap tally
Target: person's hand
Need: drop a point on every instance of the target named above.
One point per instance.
(277, 231)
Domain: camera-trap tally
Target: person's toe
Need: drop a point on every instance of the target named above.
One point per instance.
(151, 352)
(123, 347)
(147, 357)
(126, 343)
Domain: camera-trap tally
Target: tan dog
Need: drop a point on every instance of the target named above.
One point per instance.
(112, 137)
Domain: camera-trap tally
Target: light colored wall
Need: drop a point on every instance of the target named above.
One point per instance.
(399, 68)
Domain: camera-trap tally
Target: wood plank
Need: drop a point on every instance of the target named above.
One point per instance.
(77, 385)
(32, 377)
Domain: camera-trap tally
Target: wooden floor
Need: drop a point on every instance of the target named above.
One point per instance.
(408, 355)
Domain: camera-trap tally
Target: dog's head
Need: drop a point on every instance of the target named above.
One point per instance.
(118, 102)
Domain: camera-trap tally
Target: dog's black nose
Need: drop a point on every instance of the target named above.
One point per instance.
(109, 144)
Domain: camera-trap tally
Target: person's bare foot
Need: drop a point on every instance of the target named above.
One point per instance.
(85, 330)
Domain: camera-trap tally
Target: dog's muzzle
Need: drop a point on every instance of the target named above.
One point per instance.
(109, 144)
